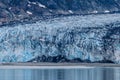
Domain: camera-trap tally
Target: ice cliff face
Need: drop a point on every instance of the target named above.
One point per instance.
(87, 38)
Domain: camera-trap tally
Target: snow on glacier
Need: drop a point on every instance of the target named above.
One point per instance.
(72, 36)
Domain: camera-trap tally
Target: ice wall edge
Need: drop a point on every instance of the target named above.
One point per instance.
(90, 38)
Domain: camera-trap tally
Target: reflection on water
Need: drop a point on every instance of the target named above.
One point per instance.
(61, 74)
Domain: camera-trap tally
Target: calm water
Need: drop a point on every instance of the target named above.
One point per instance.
(61, 74)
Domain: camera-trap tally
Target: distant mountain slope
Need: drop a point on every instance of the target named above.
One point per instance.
(11, 10)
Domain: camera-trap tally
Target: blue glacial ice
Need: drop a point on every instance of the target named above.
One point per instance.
(90, 37)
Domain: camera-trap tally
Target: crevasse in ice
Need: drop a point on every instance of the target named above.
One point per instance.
(90, 37)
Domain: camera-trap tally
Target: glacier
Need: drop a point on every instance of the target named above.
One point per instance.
(85, 37)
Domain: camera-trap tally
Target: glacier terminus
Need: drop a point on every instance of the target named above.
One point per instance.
(91, 38)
